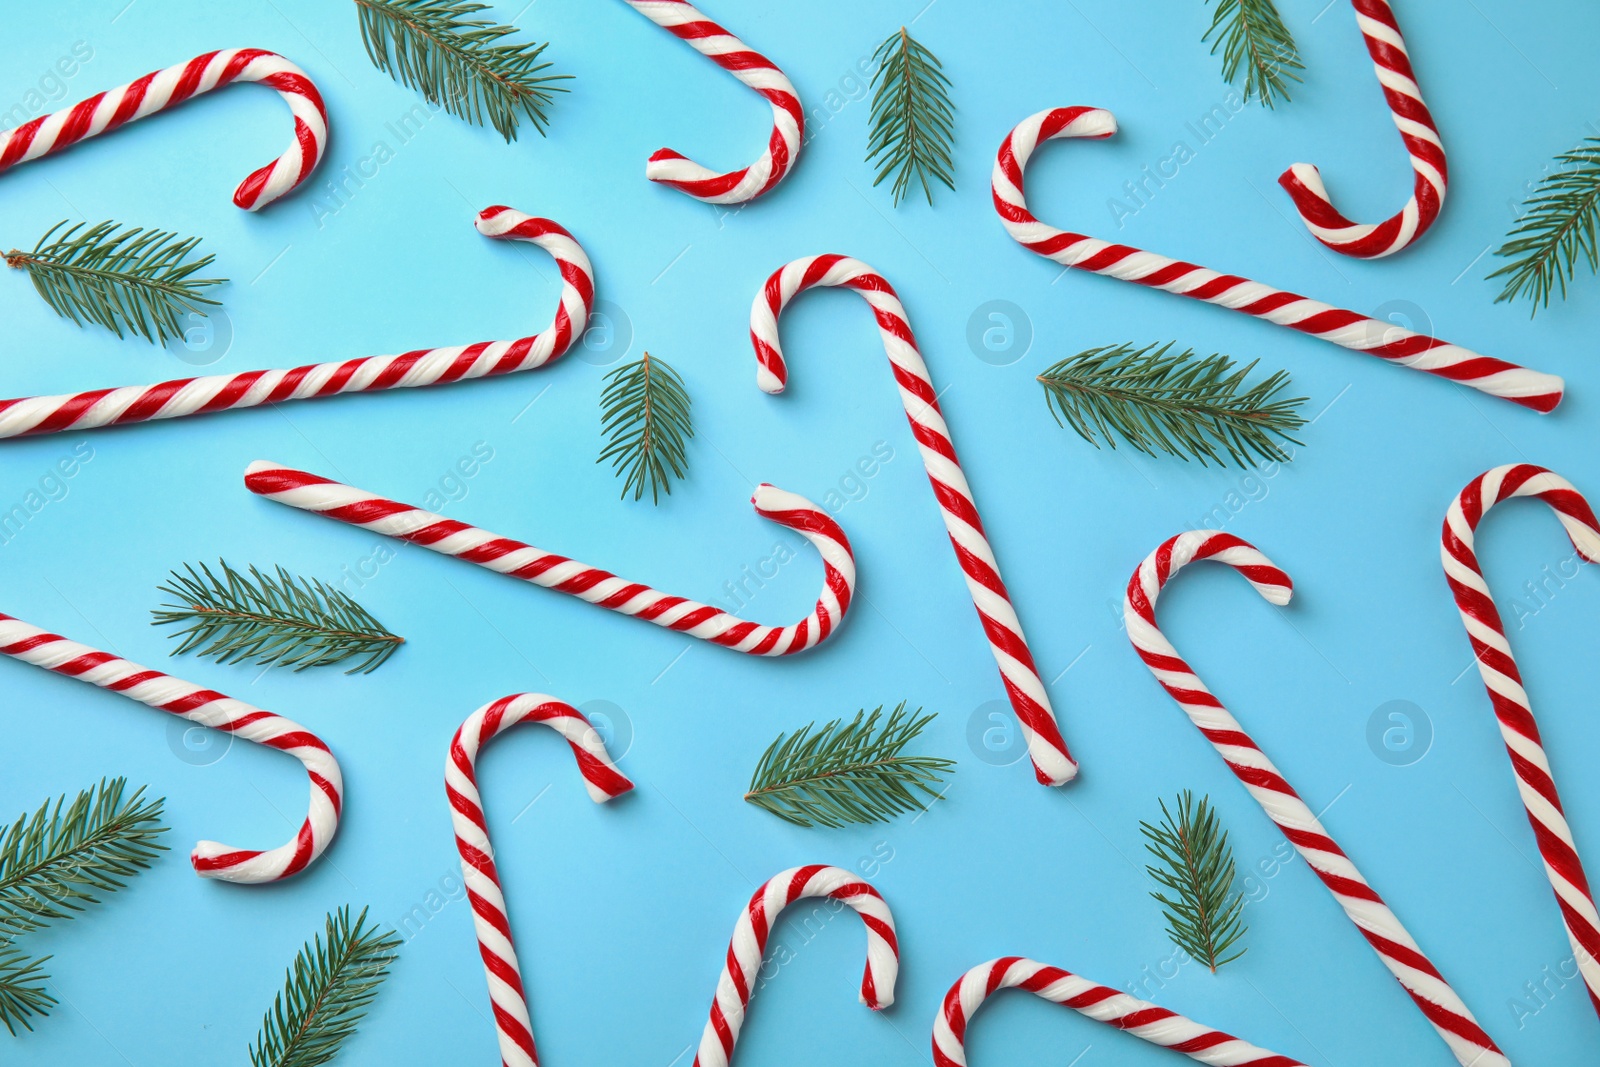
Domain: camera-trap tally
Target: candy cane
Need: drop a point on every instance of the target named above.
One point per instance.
(1503, 681)
(1382, 929)
(162, 89)
(1052, 763)
(1303, 182)
(686, 23)
(1146, 1021)
(188, 701)
(359, 508)
(1541, 392)
(409, 370)
(478, 871)
(739, 975)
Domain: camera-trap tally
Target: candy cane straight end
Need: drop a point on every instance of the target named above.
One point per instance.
(741, 973)
(1056, 774)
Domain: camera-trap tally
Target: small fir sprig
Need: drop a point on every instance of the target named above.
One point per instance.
(54, 862)
(848, 772)
(1197, 407)
(279, 621)
(52, 865)
(1254, 40)
(644, 414)
(1557, 229)
(22, 991)
(326, 993)
(437, 48)
(913, 121)
(127, 280)
(1196, 870)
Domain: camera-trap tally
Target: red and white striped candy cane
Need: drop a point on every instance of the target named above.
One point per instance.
(1051, 761)
(162, 89)
(743, 968)
(1533, 389)
(1146, 1021)
(489, 916)
(1382, 929)
(321, 496)
(1503, 680)
(408, 370)
(686, 23)
(1303, 182)
(186, 700)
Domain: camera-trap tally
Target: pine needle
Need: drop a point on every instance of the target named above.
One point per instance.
(326, 993)
(1254, 40)
(53, 863)
(644, 413)
(454, 60)
(1204, 917)
(1180, 404)
(1555, 230)
(281, 621)
(51, 866)
(845, 773)
(135, 280)
(22, 991)
(913, 121)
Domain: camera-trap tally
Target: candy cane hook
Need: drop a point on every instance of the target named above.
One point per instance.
(1052, 763)
(482, 879)
(365, 510)
(1146, 1021)
(1533, 389)
(1382, 929)
(55, 653)
(1303, 182)
(408, 370)
(1503, 680)
(742, 970)
(163, 89)
(666, 166)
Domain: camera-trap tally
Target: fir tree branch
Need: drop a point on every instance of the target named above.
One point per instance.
(53, 863)
(134, 280)
(326, 993)
(845, 773)
(22, 991)
(1180, 404)
(1254, 39)
(1556, 229)
(913, 121)
(644, 412)
(281, 621)
(454, 60)
(1204, 916)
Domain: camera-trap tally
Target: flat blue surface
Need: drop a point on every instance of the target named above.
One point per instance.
(623, 912)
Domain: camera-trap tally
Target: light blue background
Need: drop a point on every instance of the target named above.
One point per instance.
(623, 912)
